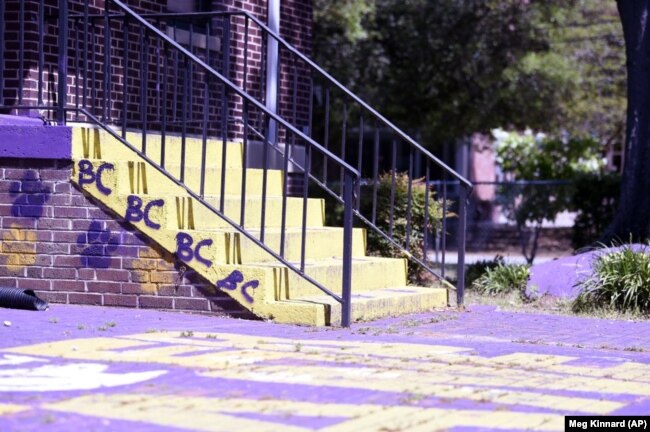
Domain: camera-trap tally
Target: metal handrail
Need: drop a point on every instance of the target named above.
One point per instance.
(197, 197)
(401, 140)
(407, 143)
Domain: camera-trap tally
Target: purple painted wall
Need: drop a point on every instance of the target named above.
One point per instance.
(28, 141)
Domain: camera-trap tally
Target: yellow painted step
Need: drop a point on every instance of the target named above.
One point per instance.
(142, 179)
(320, 243)
(382, 303)
(187, 213)
(233, 180)
(91, 142)
(368, 273)
(273, 211)
(232, 247)
(193, 150)
(105, 181)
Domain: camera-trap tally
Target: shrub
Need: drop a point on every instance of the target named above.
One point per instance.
(476, 270)
(620, 280)
(503, 279)
(377, 244)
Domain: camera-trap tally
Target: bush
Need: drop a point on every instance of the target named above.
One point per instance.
(377, 244)
(476, 270)
(503, 279)
(620, 280)
(595, 199)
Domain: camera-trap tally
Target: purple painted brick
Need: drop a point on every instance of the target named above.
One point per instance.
(54, 224)
(34, 211)
(17, 174)
(63, 188)
(71, 212)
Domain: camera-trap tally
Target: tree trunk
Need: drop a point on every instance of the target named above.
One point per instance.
(632, 220)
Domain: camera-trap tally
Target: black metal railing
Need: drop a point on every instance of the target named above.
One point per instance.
(312, 100)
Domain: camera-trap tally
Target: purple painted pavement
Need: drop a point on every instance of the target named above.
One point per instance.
(482, 361)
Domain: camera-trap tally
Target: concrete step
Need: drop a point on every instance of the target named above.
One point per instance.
(91, 142)
(233, 181)
(162, 210)
(323, 310)
(368, 274)
(141, 178)
(228, 246)
(119, 181)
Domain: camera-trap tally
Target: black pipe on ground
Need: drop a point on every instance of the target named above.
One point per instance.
(15, 298)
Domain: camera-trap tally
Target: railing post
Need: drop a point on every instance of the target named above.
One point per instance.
(462, 226)
(62, 97)
(348, 198)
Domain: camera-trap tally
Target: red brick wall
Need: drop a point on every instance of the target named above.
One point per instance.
(56, 241)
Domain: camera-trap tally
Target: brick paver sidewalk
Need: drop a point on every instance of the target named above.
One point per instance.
(76, 368)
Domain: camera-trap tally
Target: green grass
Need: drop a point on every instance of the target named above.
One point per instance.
(503, 279)
(620, 281)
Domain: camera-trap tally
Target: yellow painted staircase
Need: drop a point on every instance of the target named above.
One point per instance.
(133, 188)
